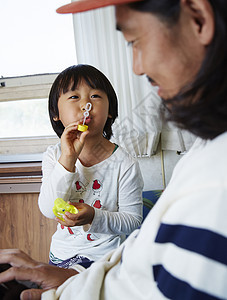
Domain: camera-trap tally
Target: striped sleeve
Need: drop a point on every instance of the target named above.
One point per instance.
(199, 268)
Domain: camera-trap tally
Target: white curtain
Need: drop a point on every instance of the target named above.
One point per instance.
(139, 126)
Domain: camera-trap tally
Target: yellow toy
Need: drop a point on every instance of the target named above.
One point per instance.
(60, 207)
(83, 127)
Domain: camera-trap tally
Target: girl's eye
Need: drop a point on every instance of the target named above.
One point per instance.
(73, 97)
(95, 96)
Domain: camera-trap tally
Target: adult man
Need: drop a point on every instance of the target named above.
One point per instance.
(180, 251)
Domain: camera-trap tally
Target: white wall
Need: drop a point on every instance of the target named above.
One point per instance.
(151, 169)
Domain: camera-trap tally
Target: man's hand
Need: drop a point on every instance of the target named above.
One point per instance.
(25, 268)
(16, 258)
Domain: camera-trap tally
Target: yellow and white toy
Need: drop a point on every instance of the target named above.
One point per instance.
(60, 207)
(83, 127)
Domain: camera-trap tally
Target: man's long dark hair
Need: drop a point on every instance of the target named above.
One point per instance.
(207, 116)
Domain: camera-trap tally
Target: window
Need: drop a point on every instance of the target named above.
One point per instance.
(24, 109)
(24, 123)
(36, 44)
(34, 38)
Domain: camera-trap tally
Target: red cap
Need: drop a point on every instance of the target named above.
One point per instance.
(84, 5)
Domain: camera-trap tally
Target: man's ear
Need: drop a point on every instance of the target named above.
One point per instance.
(202, 16)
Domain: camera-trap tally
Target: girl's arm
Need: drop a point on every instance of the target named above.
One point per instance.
(58, 168)
(56, 181)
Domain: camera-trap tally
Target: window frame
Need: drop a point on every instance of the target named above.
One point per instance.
(24, 88)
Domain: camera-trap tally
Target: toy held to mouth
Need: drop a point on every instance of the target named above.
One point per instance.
(83, 127)
(60, 207)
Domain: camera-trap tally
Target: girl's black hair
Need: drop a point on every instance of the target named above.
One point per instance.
(69, 79)
(207, 116)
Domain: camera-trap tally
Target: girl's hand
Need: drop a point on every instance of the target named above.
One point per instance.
(84, 216)
(72, 142)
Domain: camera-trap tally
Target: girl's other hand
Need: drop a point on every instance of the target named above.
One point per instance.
(84, 216)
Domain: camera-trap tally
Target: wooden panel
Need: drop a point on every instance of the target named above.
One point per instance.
(24, 227)
(20, 179)
(20, 168)
(13, 173)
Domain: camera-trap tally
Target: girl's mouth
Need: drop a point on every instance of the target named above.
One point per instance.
(88, 120)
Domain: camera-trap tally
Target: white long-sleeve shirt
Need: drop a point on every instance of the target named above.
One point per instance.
(113, 187)
(180, 252)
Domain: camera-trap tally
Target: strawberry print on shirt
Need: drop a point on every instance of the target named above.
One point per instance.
(97, 204)
(80, 187)
(97, 186)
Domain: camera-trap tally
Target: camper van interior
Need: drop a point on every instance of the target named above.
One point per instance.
(25, 131)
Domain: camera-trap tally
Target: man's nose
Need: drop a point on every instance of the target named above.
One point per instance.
(137, 63)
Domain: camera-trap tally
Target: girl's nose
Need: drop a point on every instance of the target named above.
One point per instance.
(82, 107)
(86, 106)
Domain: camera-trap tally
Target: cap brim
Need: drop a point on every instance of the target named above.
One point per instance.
(85, 5)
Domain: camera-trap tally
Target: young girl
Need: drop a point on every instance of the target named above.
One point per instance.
(99, 178)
